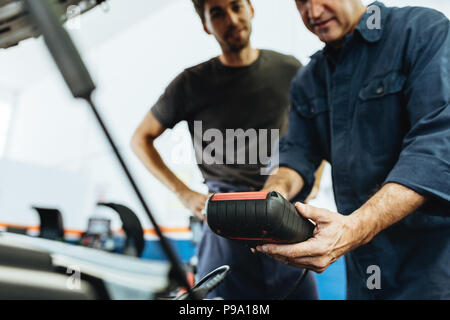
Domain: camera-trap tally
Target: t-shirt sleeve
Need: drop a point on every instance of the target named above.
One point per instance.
(171, 105)
(296, 63)
(294, 66)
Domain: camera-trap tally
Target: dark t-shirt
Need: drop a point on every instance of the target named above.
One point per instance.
(212, 98)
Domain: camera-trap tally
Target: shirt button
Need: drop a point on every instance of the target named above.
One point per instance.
(380, 90)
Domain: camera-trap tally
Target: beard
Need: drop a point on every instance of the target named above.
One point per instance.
(237, 46)
(231, 44)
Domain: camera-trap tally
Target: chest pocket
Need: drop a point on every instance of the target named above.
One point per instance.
(313, 107)
(380, 87)
(315, 112)
(380, 105)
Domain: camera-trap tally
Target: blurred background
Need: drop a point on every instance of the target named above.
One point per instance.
(52, 153)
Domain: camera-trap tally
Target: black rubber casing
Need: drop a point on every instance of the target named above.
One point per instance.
(258, 221)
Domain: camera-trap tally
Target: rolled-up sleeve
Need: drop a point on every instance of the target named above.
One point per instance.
(298, 148)
(424, 162)
(170, 107)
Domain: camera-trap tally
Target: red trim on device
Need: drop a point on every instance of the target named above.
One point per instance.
(261, 195)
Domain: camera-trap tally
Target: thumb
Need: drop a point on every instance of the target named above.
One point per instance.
(310, 212)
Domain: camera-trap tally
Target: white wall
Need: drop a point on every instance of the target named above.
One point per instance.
(5, 117)
(45, 188)
(131, 69)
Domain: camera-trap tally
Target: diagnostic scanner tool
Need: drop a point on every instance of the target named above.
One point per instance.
(255, 218)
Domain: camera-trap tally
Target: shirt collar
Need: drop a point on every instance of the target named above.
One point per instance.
(365, 28)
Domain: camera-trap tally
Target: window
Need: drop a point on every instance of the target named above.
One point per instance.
(5, 117)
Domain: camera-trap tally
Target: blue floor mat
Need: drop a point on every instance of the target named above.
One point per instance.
(331, 282)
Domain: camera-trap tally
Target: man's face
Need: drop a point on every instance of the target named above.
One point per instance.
(230, 22)
(330, 20)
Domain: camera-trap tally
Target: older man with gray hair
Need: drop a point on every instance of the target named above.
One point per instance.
(375, 104)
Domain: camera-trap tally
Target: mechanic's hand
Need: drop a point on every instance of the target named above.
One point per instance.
(334, 235)
(194, 201)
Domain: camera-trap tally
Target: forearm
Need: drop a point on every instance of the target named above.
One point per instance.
(318, 178)
(150, 157)
(285, 181)
(388, 206)
(336, 234)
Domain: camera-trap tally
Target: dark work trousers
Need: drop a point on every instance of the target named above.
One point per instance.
(252, 276)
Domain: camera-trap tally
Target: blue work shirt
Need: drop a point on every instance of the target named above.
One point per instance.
(378, 111)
